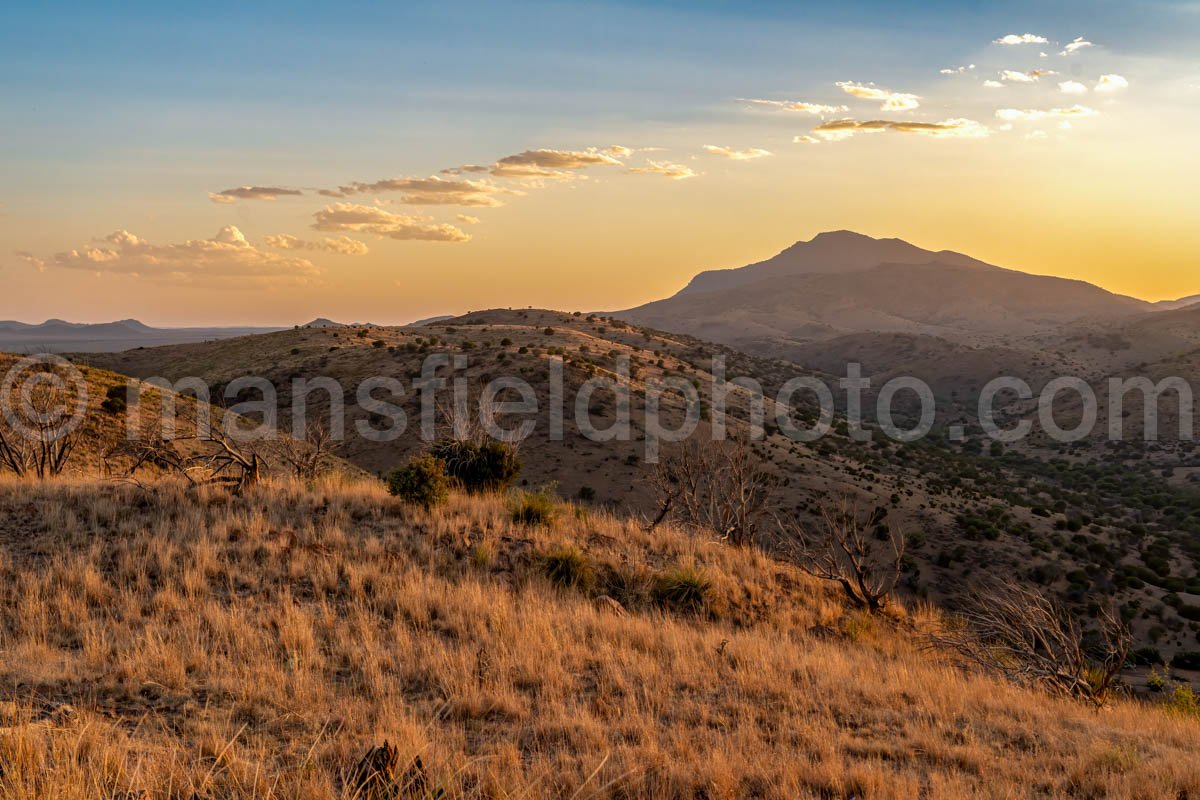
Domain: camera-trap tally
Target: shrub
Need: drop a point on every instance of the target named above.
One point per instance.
(683, 588)
(1189, 659)
(1185, 700)
(488, 467)
(115, 400)
(422, 481)
(534, 508)
(569, 568)
(587, 494)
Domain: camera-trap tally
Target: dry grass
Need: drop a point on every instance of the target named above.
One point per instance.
(254, 647)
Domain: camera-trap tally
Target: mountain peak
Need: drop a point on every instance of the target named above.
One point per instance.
(842, 235)
(829, 252)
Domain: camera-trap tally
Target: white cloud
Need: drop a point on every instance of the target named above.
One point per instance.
(839, 129)
(252, 193)
(1031, 76)
(1078, 44)
(1111, 83)
(342, 245)
(467, 219)
(816, 109)
(990, 84)
(226, 258)
(802, 139)
(1021, 38)
(957, 70)
(677, 172)
(891, 101)
(1072, 87)
(1028, 115)
(736, 155)
(353, 218)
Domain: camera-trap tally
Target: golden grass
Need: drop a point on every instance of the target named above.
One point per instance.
(255, 647)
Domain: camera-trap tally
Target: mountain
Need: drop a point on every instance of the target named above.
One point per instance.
(842, 283)
(832, 252)
(322, 322)
(56, 335)
(1175, 305)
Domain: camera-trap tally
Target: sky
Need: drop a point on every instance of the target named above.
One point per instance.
(222, 164)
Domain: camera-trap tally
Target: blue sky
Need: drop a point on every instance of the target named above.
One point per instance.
(124, 117)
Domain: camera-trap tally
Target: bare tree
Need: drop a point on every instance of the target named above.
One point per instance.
(853, 549)
(1020, 634)
(309, 457)
(42, 438)
(716, 486)
(222, 459)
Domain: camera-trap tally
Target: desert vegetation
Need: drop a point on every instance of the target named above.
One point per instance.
(190, 642)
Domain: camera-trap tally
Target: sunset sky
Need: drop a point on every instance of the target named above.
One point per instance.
(385, 162)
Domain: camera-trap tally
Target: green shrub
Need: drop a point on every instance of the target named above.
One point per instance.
(684, 589)
(569, 568)
(1185, 700)
(534, 508)
(115, 399)
(1189, 659)
(422, 481)
(1147, 656)
(488, 467)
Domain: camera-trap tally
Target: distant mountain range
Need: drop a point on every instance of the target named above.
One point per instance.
(56, 335)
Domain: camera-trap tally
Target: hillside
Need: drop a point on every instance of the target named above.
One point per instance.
(170, 644)
(1088, 529)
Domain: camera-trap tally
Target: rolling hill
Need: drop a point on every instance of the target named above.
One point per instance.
(1083, 527)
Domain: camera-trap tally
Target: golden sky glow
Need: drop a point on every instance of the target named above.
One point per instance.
(1047, 152)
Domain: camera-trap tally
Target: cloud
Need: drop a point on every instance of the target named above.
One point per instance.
(1078, 44)
(803, 139)
(816, 109)
(1072, 87)
(957, 70)
(353, 218)
(467, 219)
(1030, 115)
(342, 245)
(553, 164)
(676, 172)
(1032, 76)
(891, 101)
(839, 129)
(1021, 38)
(736, 155)
(226, 258)
(990, 84)
(252, 193)
(618, 151)
(432, 191)
(1111, 83)
(30, 259)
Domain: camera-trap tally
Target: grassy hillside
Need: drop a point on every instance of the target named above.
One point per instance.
(1093, 526)
(211, 646)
